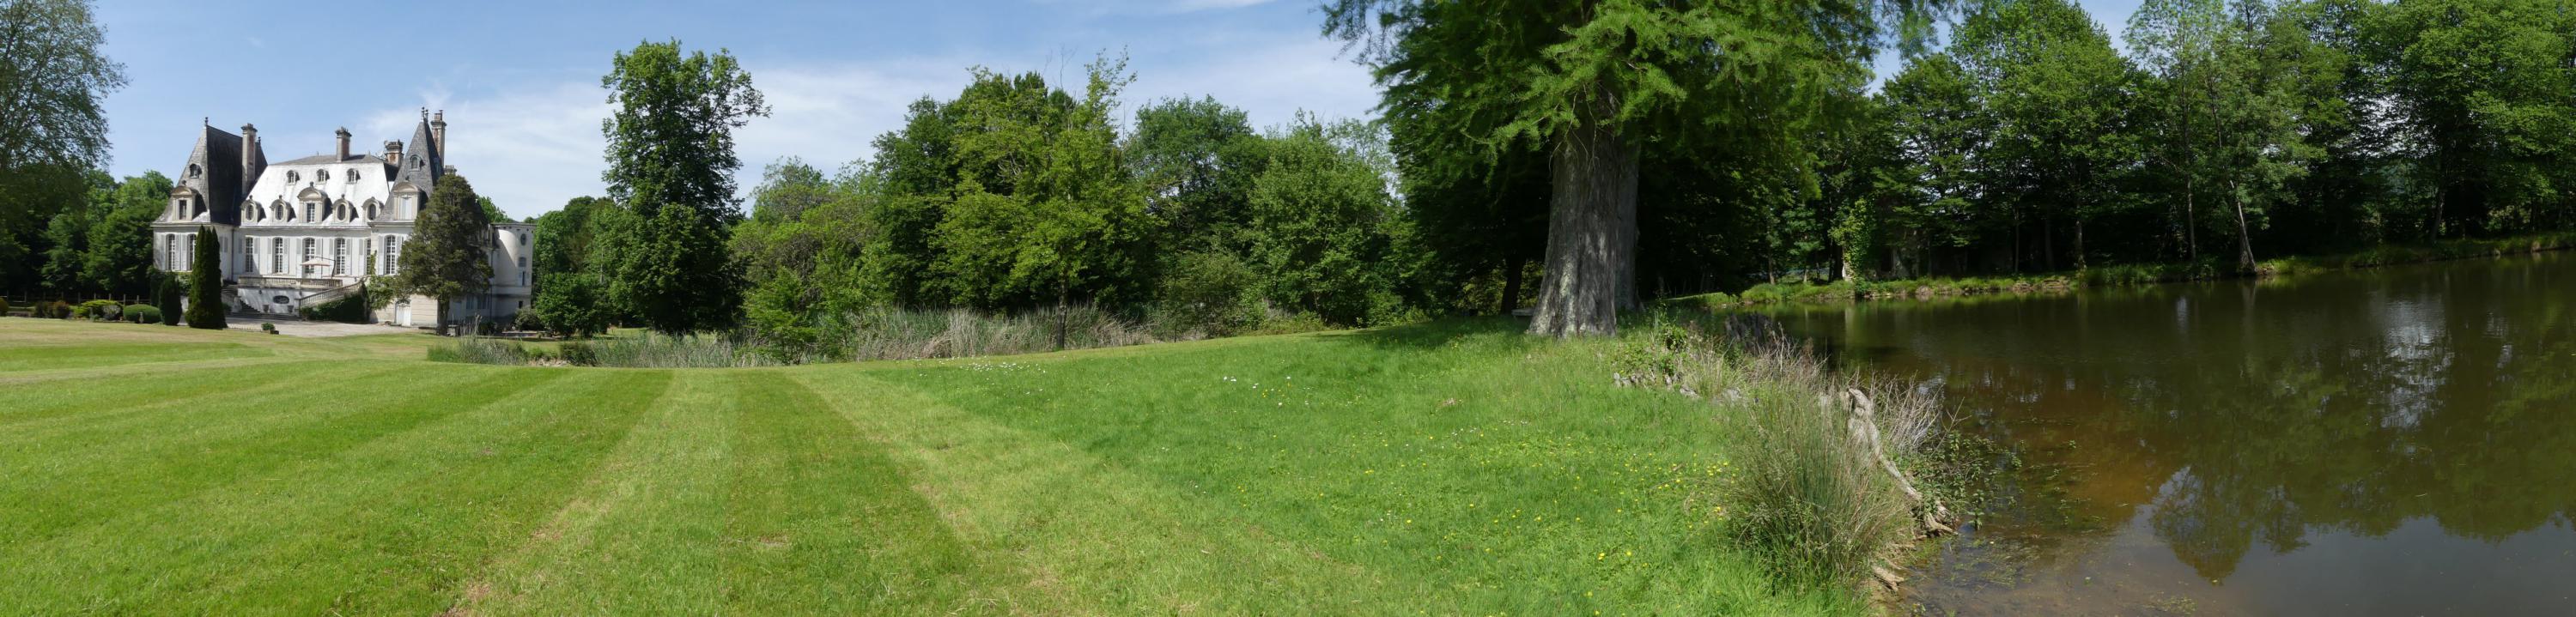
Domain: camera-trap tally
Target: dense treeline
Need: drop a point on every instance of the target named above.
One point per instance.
(2231, 132)
(1018, 195)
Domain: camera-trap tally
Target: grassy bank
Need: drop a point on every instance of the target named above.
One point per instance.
(2121, 275)
(1453, 468)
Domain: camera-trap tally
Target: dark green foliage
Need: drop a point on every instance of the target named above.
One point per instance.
(1209, 293)
(142, 313)
(166, 292)
(448, 255)
(572, 306)
(352, 308)
(206, 283)
(671, 157)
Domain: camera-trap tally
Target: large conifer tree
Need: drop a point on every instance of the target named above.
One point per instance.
(206, 282)
(448, 255)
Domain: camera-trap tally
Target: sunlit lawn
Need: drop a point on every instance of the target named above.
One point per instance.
(1456, 468)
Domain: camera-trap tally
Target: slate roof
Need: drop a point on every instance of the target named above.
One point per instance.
(218, 158)
(424, 163)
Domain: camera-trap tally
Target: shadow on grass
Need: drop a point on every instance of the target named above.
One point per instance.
(1445, 333)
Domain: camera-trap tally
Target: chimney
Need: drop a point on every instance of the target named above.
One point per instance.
(249, 153)
(344, 143)
(393, 154)
(438, 133)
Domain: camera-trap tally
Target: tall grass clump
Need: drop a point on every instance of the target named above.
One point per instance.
(909, 334)
(655, 350)
(479, 350)
(1817, 494)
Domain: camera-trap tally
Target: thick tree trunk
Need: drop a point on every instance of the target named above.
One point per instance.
(1512, 285)
(1591, 233)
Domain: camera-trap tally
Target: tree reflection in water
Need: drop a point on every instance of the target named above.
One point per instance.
(2206, 428)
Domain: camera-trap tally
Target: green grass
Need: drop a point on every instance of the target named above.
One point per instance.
(1449, 468)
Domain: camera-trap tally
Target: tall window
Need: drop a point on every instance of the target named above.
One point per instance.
(310, 209)
(187, 260)
(250, 255)
(170, 252)
(339, 256)
(308, 257)
(276, 255)
(367, 251)
(393, 255)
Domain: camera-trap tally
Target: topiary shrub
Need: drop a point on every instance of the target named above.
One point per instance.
(142, 313)
(167, 295)
(98, 310)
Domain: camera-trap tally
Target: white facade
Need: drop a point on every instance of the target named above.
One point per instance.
(309, 231)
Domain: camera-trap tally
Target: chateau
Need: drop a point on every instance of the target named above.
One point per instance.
(307, 231)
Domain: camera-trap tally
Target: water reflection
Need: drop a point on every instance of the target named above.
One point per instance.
(2398, 441)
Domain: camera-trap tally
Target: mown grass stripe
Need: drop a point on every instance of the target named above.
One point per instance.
(819, 521)
(86, 489)
(18, 358)
(112, 394)
(144, 370)
(107, 434)
(640, 535)
(387, 527)
(1085, 535)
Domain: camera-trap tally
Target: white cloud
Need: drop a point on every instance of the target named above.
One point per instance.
(532, 149)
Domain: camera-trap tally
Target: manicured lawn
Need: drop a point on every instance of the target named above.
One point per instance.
(1455, 468)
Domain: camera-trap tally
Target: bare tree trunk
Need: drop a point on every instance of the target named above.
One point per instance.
(2244, 240)
(2079, 242)
(1512, 285)
(1591, 232)
(2190, 221)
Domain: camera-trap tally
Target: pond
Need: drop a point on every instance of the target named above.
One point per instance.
(2399, 441)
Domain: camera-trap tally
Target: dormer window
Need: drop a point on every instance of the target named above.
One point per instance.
(353, 175)
(194, 170)
(312, 209)
(322, 175)
(294, 177)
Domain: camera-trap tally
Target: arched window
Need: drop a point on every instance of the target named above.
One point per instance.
(353, 175)
(294, 177)
(194, 170)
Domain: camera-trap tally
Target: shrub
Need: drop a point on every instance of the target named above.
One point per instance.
(98, 310)
(1207, 294)
(142, 313)
(348, 309)
(4, 306)
(167, 295)
(268, 328)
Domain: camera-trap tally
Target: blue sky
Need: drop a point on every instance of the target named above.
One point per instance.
(520, 80)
